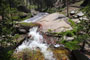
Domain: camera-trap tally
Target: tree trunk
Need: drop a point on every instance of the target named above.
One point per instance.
(83, 46)
(67, 5)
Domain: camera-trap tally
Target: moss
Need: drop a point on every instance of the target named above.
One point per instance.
(49, 30)
(30, 24)
(16, 36)
(27, 54)
(72, 23)
(15, 18)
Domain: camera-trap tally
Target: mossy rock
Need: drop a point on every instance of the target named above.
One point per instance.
(27, 54)
(30, 24)
(61, 53)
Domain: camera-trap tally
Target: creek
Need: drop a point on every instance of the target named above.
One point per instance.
(36, 42)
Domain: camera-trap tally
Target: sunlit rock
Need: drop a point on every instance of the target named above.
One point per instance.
(75, 16)
(76, 20)
(85, 18)
(72, 12)
(80, 14)
(56, 22)
(58, 45)
(69, 38)
(81, 18)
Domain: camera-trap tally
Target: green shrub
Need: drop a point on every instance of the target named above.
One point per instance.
(49, 30)
(16, 36)
(87, 10)
(72, 23)
(72, 45)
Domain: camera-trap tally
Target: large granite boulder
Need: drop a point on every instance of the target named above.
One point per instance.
(55, 22)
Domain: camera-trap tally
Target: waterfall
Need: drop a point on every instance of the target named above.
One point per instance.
(36, 41)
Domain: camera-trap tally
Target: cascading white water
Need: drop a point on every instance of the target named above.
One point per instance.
(36, 40)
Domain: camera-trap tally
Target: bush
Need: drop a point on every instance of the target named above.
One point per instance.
(87, 10)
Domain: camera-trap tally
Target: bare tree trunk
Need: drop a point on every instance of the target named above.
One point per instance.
(67, 5)
(83, 46)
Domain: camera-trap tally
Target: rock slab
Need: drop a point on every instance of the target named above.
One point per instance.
(55, 22)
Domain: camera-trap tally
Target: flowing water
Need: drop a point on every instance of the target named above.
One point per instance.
(36, 41)
(36, 17)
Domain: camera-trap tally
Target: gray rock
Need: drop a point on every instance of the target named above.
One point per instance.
(58, 45)
(72, 12)
(85, 18)
(69, 38)
(81, 18)
(80, 14)
(22, 31)
(76, 20)
(75, 16)
(56, 22)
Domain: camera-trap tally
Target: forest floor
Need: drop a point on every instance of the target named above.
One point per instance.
(73, 7)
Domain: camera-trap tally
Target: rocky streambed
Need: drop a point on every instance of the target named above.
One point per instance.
(36, 47)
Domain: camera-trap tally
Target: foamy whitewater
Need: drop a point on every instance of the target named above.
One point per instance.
(36, 41)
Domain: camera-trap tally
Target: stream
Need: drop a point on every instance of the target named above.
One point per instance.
(36, 41)
(36, 17)
(39, 48)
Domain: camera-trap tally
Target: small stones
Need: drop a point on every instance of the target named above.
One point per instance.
(75, 16)
(22, 31)
(76, 20)
(72, 12)
(69, 38)
(58, 45)
(80, 14)
(81, 18)
(85, 18)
